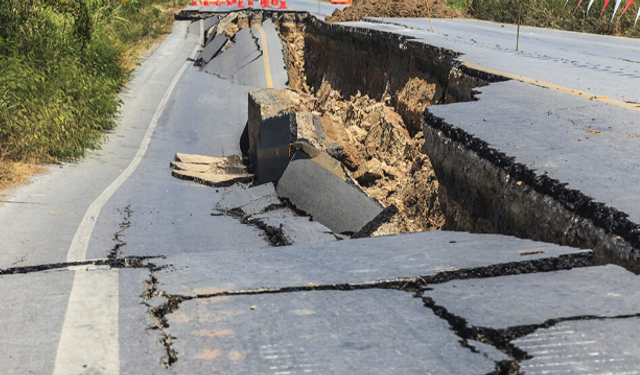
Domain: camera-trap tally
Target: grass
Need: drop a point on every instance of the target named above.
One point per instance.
(62, 64)
(554, 14)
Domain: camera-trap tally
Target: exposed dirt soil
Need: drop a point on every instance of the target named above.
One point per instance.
(389, 164)
(293, 47)
(380, 132)
(381, 137)
(395, 8)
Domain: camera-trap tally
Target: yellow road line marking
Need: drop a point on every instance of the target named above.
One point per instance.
(535, 82)
(265, 55)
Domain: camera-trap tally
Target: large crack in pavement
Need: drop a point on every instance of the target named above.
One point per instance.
(502, 339)
(415, 285)
(125, 262)
(118, 237)
(158, 313)
(274, 235)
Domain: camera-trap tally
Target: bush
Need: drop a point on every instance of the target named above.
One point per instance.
(554, 14)
(61, 66)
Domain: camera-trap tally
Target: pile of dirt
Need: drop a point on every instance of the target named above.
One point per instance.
(403, 8)
(384, 158)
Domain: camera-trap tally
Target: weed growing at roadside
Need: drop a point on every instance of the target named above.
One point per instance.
(560, 15)
(62, 64)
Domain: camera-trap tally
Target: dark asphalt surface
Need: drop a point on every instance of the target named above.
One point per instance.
(228, 302)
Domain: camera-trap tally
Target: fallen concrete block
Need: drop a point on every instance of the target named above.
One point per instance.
(274, 147)
(209, 170)
(212, 49)
(320, 185)
(222, 25)
(263, 106)
(210, 25)
(260, 206)
(251, 200)
(277, 119)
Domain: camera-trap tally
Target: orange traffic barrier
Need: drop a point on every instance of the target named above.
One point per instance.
(342, 2)
(283, 4)
(250, 3)
(240, 3)
(206, 3)
(218, 4)
(274, 2)
(194, 3)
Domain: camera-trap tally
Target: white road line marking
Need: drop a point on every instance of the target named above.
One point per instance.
(89, 342)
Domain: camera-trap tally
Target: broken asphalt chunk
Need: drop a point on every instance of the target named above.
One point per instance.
(209, 170)
(321, 186)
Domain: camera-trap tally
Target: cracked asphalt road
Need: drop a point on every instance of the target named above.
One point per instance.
(165, 287)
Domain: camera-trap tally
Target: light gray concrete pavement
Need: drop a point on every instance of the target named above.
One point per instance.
(593, 147)
(214, 296)
(596, 64)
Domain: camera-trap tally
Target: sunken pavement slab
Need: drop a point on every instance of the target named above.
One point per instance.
(579, 321)
(326, 332)
(430, 256)
(546, 165)
(340, 307)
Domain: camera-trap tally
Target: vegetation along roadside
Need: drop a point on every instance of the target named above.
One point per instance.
(62, 64)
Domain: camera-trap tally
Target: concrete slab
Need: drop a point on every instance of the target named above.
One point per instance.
(609, 346)
(212, 48)
(297, 229)
(270, 42)
(251, 200)
(314, 187)
(274, 147)
(210, 171)
(364, 332)
(520, 300)
(565, 137)
(140, 349)
(271, 129)
(231, 64)
(261, 206)
(361, 261)
(209, 23)
(32, 315)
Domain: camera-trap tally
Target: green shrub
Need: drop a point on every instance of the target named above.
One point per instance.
(62, 64)
(554, 14)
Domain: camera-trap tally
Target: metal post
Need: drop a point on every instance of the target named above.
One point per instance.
(429, 14)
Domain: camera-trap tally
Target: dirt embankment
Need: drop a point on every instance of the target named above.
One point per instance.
(385, 159)
(402, 8)
(371, 98)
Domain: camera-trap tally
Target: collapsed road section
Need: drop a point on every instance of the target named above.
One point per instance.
(365, 92)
